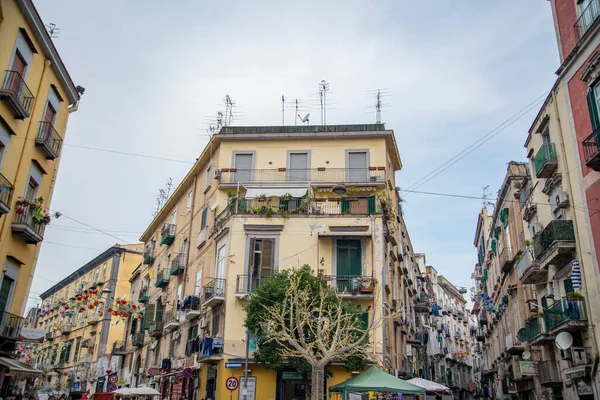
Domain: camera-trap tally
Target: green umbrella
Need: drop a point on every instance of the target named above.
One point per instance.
(375, 380)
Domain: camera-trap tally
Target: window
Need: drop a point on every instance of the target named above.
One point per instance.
(190, 199)
(174, 217)
(4, 139)
(192, 332)
(204, 218)
(172, 344)
(157, 352)
(357, 165)
(208, 177)
(7, 284)
(298, 166)
(198, 281)
(216, 322)
(568, 284)
(184, 250)
(243, 164)
(31, 189)
(261, 260)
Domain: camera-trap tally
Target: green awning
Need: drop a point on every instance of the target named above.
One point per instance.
(375, 380)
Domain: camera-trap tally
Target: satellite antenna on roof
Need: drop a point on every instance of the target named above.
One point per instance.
(305, 119)
(52, 30)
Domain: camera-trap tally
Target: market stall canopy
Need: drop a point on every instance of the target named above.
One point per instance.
(123, 391)
(18, 369)
(375, 380)
(430, 386)
(144, 391)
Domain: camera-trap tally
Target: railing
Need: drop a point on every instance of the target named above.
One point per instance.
(48, 136)
(587, 18)
(354, 285)
(245, 284)
(170, 316)
(214, 288)
(15, 85)
(148, 255)
(167, 234)
(10, 325)
(138, 339)
(547, 152)
(177, 265)
(564, 310)
(333, 175)
(156, 327)
(26, 218)
(162, 278)
(191, 303)
(524, 262)
(6, 193)
(317, 206)
(119, 346)
(533, 329)
(548, 372)
(507, 257)
(591, 146)
(557, 230)
(524, 195)
(143, 297)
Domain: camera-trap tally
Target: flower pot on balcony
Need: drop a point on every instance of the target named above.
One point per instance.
(321, 169)
(281, 169)
(366, 290)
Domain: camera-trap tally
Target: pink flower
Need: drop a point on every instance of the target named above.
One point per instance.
(19, 210)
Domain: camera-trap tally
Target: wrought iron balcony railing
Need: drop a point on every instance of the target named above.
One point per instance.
(48, 140)
(313, 175)
(16, 93)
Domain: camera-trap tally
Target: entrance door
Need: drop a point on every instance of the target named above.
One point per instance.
(349, 264)
(220, 283)
(298, 169)
(5, 293)
(358, 168)
(243, 165)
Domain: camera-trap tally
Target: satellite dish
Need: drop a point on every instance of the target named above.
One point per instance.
(522, 335)
(564, 340)
(526, 355)
(305, 119)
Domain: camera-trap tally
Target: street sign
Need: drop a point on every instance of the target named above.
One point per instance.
(76, 386)
(187, 372)
(113, 379)
(112, 387)
(233, 365)
(232, 383)
(250, 389)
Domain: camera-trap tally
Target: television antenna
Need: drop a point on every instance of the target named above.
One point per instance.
(163, 196)
(484, 197)
(323, 89)
(379, 94)
(282, 110)
(53, 30)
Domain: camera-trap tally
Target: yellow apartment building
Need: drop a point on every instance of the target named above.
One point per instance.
(83, 340)
(258, 200)
(37, 96)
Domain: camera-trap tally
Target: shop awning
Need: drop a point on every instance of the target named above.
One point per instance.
(18, 369)
(375, 380)
(276, 191)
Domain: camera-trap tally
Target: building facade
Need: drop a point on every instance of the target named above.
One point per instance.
(259, 200)
(83, 338)
(37, 96)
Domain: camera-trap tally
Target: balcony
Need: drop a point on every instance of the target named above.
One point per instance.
(191, 307)
(138, 339)
(281, 206)
(407, 371)
(565, 315)
(548, 374)
(119, 348)
(143, 297)
(507, 259)
(27, 226)
(156, 329)
(10, 326)
(587, 19)
(213, 293)
(17, 95)
(49, 336)
(66, 329)
(512, 345)
(545, 161)
(148, 256)
(535, 333)
(591, 150)
(177, 267)
(423, 304)
(245, 285)
(167, 234)
(93, 319)
(555, 244)
(316, 176)
(529, 270)
(480, 335)
(48, 140)
(171, 320)
(6, 194)
(162, 279)
(352, 287)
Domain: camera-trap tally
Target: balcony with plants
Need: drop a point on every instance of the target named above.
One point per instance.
(566, 314)
(30, 220)
(48, 140)
(528, 269)
(352, 287)
(545, 161)
(15, 93)
(555, 243)
(6, 194)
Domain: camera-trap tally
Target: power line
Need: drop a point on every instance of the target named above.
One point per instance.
(69, 245)
(129, 154)
(89, 226)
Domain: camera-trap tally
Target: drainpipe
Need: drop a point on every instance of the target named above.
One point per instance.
(189, 243)
(585, 281)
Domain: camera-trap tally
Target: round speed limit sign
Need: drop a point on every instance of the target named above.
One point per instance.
(232, 383)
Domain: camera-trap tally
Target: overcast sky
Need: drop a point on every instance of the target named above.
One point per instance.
(156, 71)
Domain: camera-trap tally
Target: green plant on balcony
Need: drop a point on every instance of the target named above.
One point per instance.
(574, 296)
(39, 216)
(261, 197)
(286, 196)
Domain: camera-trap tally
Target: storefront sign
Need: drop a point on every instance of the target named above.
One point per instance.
(249, 390)
(153, 371)
(32, 335)
(584, 390)
(528, 368)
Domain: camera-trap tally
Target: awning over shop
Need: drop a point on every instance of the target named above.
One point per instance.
(277, 191)
(18, 369)
(375, 380)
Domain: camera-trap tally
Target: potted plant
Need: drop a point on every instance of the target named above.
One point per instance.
(574, 296)
(286, 196)
(261, 197)
(303, 206)
(366, 285)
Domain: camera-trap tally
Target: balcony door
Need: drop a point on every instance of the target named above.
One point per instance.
(298, 167)
(357, 166)
(6, 289)
(243, 163)
(17, 78)
(220, 284)
(348, 264)
(261, 261)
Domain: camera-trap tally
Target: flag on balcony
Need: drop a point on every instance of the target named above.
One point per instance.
(576, 275)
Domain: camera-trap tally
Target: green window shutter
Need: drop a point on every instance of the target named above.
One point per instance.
(345, 206)
(568, 283)
(284, 205)
(243, 205)
(504, 217)
(593, 109)
(192, 332)
(364, 320)
(494, 247)
(133, 325)
(544, 303)
(149, 316)
(371, 204)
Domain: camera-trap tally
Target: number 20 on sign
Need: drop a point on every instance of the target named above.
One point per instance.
(232, 383)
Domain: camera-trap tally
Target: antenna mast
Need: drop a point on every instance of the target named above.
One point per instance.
(323, 89)
(282, 110)
(296, 118)
(378, 107)
(52, 30)
(484, 198)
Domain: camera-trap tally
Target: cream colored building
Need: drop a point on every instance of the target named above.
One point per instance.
(81, 346)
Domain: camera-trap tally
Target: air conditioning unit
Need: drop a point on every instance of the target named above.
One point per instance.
(217, 173)
(536, 229)
(140, 371)
(566, 354)
(175, 335)
(562, 200)
(203, 323)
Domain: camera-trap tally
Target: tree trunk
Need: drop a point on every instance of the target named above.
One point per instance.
(317, 391)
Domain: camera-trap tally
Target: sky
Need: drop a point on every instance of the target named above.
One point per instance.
(156, 72)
